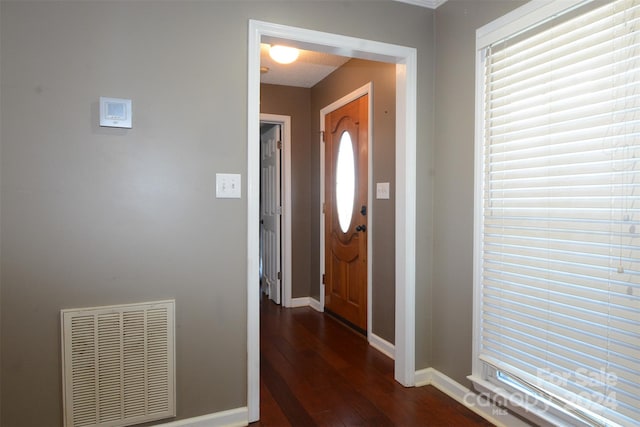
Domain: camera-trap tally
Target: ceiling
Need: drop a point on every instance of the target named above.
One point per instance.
(310, 68)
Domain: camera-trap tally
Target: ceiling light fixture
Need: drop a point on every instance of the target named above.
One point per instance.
(283, 54)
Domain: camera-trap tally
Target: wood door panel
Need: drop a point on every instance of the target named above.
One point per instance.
(345, 252)
(345, 296)
(346, 249)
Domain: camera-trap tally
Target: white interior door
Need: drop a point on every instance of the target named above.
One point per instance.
(271, 209)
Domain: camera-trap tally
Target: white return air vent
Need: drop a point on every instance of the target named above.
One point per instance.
(118, 364)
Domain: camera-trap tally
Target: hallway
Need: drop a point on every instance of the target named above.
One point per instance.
(314, 371)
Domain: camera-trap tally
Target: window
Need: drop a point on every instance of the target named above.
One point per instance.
(345, 182)
(557, 251)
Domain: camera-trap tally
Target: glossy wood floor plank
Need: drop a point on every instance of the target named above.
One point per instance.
(317, 372)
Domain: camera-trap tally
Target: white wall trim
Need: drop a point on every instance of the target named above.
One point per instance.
(316, 305)
(306, 302)
(429, 4)
(424, 377)
(405, 59)
(405, 210)
(231, 418)
(253, 225)
(300, 302)
(382, 345)
(470, 399)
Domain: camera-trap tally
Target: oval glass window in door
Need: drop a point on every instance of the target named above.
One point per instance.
(345, 181)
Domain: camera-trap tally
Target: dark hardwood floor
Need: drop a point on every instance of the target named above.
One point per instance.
(316, 372)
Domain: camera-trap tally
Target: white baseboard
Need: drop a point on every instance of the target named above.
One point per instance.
(383, 346)
(468, 398)
(424, 377)
(306, 302)
(299, 302)
(316, 305)
(231, 418)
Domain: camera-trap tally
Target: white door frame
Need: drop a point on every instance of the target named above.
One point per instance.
(405, 59)
(285, 177)
(364, 90)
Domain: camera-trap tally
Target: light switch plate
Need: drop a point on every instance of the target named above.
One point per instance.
(228, 185)
(382, 190)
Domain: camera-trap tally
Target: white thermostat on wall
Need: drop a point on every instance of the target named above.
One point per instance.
(115, 112)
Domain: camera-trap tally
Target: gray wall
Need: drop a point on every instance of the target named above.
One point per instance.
(296, 102)
(351, 76)
(452, 298)
(94, 216)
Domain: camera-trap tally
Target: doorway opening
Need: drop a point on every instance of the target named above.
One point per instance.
(405, 59)
(275, 208)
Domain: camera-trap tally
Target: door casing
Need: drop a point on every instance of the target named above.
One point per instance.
(405, 59)
(364, 90)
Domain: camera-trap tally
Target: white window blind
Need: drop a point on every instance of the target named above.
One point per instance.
(560, 218)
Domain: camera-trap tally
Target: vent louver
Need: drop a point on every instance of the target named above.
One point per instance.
(118, 364)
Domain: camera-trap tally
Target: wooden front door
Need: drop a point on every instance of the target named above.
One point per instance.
(346, 192)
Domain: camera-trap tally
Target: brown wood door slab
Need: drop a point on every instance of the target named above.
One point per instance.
(346, 192)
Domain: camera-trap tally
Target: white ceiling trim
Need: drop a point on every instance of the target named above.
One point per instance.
(431, 4)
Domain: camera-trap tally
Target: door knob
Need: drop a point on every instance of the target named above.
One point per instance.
(361, 228)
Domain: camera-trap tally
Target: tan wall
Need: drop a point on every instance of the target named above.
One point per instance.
(93, 216)
(452, 308)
